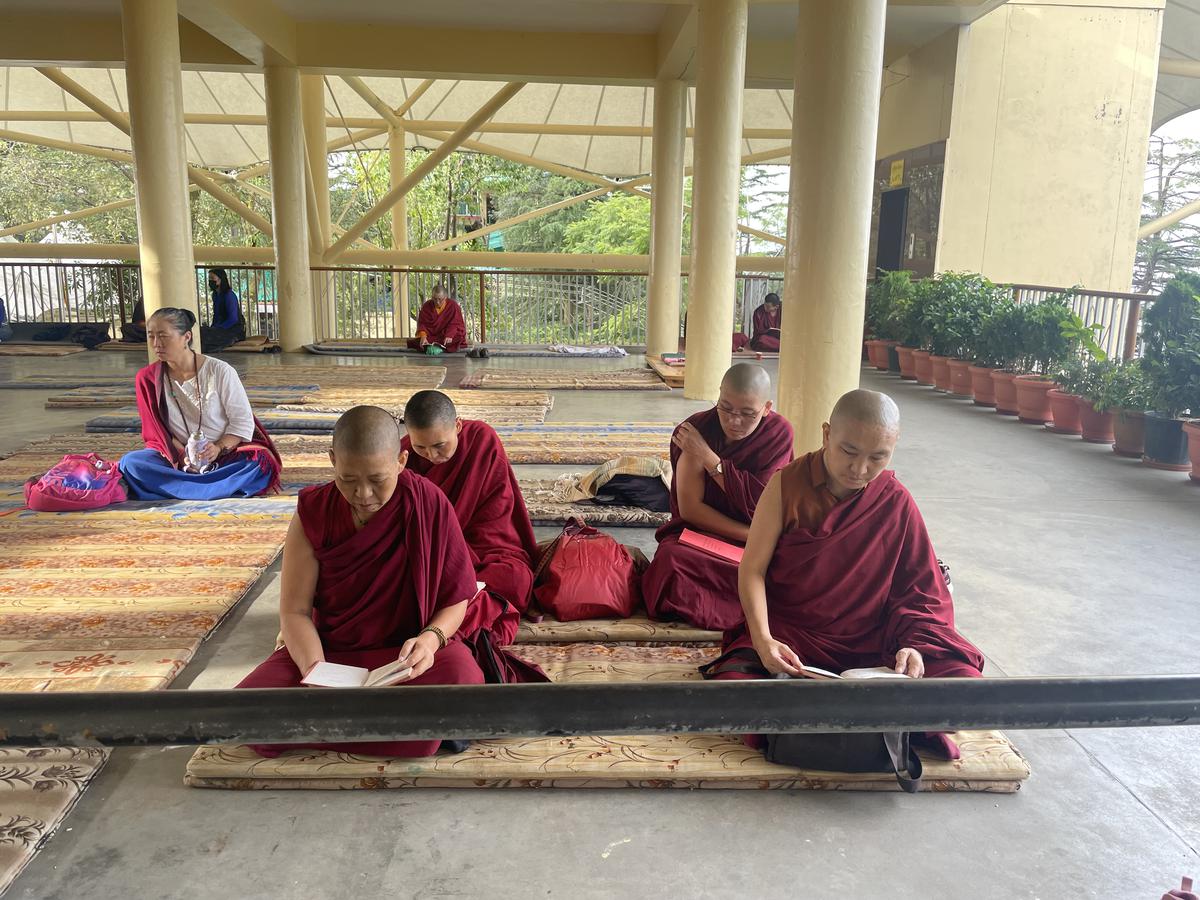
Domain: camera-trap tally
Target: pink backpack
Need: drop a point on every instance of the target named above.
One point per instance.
(78, 481)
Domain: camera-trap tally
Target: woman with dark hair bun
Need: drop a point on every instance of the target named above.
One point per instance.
(202, 440)
(228, 327)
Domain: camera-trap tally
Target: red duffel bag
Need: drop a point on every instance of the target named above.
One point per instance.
(585, 574)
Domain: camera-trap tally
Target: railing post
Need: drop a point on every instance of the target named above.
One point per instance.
(120, 272)
(1132, 318)
(482, 310)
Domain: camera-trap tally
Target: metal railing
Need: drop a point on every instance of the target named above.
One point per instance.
(1118, 313)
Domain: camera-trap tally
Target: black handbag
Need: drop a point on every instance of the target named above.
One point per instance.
(887, 751)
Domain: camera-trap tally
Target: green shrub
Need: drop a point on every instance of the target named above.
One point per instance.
(885, 299)
(998, 342)
(1171, 347)
(1112, 385)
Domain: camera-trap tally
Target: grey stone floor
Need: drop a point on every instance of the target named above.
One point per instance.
(1066, 559)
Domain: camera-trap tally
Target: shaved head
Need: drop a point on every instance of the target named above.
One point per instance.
(869, 408)
(366, 431)
(429, 409)
(748, 380)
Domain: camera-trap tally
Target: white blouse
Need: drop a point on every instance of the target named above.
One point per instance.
(226, 408)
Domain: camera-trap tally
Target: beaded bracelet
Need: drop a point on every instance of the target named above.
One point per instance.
(438, 632)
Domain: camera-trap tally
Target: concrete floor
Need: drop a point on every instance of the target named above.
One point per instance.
(1066, 560)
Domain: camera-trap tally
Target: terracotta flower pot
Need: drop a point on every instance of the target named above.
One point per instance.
(1065, 409)
(1166, 444)
(923, 366)
(960, 379)
(1192, 430)
(908, 365)
(1006, 392)
(1033, 406)
(882, 361)
(941, 373)
(871, 345)
(983, 389)
(1096, 427)
(1129, 433)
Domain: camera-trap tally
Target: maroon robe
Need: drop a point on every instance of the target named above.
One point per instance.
(376, 588)
(447, 327)
(689, 584)
(762, 323)
(491, 511)
(150, 388)
(864, 584)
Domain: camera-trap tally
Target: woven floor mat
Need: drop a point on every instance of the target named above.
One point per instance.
(331, 377)
(566, 380)
(64, 382)
(38, 787)
(40, 349)
(116, 397)
(637, 629)
(989, 762)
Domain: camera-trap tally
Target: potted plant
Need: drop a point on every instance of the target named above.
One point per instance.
(1112, 397)
(1171, 358)
(905, 324)
(1044, 342)
(950, 321)
(1001, 344)
(1071, 374)
(994, 350)
(883, 296)
(921, 301)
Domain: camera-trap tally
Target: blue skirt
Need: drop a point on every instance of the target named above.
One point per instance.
(150, 477)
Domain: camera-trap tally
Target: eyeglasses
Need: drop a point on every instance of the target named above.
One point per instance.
(740, 414)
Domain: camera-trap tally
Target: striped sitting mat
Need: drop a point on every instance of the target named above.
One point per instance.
(115, 599)
(65, 382)
(8, 348)
(123, 395)
(988, 763)
(256, 344)
(38, 787)
(546, 507)
(353, 377)
(344, 398)
(381, 347)
(565, 380)
(638, 629)
(123, 346)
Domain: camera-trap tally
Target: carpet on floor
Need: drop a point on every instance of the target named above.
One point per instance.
(565, 380)
(989, 762)
(40, 349)
(116, 397)
(353, 377)
(638, 629)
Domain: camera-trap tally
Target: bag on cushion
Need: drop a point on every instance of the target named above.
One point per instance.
(585, 574)
(78, 481)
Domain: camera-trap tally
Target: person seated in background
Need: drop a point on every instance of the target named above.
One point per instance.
(202, 439)
(722, 460)
(375, 571)
(839, 572)
(228, 327)
(134, 331)
(440, 325)
(766, 321)
(466, 460)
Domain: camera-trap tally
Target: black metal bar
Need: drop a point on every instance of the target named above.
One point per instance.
(766, 706)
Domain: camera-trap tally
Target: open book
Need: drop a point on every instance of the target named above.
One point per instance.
(336, 675)
(712, 546)
(876, 672)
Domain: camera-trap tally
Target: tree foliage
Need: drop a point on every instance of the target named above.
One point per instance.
(1172, 181)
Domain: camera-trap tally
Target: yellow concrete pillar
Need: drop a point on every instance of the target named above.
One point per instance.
(839, 63)
(152, 73)
(285, 143)
(312, 103)
(716, 187)
(401, 319)
(666, 216)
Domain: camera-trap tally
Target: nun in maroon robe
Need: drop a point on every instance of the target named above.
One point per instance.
(482, 487)
(765, 324)
(443, 325)
(685, 583)
(376, 588)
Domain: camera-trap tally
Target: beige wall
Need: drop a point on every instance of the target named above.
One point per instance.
(918, 91)
(1047, 146)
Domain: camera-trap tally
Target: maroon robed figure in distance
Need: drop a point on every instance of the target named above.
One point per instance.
(722, 459)
(440, 322)
(765, 325)
(466, 460)
(375, 569)
(839, 571)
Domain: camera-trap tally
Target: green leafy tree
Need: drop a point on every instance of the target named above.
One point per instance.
(1172, 181)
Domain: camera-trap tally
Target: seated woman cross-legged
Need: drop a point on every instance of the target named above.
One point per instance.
(376, 572)
(202, 440)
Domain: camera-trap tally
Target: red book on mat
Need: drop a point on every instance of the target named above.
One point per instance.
(711, 545)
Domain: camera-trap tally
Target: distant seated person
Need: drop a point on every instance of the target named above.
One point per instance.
(440, 326)
(202, 440)
(134, 331)
(375, 571)
(6, 331)
(839, 572)
(766, 321)
(228, 327)
(722, 460)
(466, 460)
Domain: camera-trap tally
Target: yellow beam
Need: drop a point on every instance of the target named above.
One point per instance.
(360, 87)
(1165, 222)
(447, 147)
(74, 216)
(258, 30)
